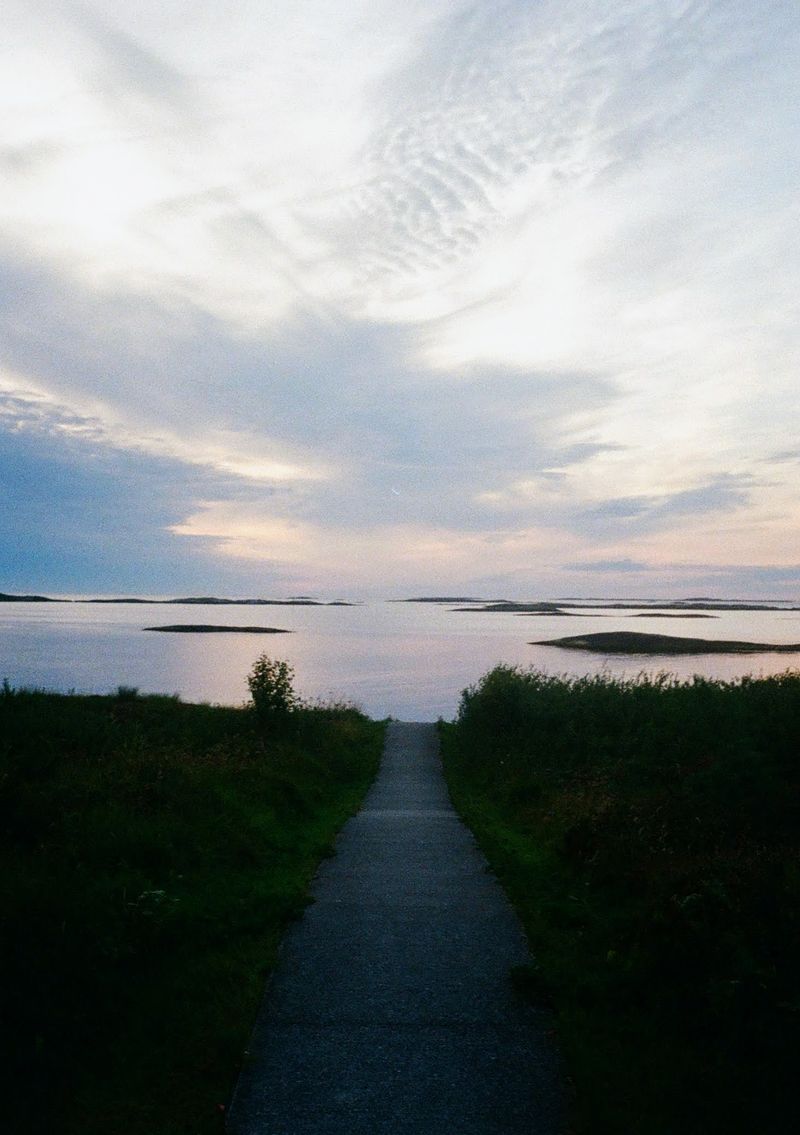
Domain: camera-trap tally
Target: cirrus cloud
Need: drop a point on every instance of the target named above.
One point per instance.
(372, 290)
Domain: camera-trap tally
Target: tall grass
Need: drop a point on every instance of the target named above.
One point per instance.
(648, 833)
(151, 853)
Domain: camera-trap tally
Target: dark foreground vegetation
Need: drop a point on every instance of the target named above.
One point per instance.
(648, 833)
(151, 853)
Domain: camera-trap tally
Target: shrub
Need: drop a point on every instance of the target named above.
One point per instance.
(648, 830)
(271, 689)
(150, 857)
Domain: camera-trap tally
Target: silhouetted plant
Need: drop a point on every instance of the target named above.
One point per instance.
(270, 684)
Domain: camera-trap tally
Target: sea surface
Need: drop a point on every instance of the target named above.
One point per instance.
(406, 660)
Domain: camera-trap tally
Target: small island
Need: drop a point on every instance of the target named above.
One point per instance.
(211, 628)
(632, 642)
(5, 598)
(672, 615)
(441, 599)
(677, 608)
(215, 601)
(511, 607)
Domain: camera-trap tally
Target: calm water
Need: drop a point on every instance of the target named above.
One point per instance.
(410, 660)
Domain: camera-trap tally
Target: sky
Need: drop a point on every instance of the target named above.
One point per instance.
(389, 297)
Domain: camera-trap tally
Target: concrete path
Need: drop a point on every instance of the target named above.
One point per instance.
(391, 1008)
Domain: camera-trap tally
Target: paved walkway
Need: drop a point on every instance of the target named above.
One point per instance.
(391, 1008)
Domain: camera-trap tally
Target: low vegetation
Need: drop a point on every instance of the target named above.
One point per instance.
(647, 831)
(271, 685)
(152, 853)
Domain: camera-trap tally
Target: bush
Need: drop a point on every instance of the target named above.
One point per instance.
(150, 858)
(648, 831)
(271, 689)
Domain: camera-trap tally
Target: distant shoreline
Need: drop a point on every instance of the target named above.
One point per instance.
(192, 600)
(650, 608)
(670, 608)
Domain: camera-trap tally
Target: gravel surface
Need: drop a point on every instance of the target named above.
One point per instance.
(391, 1008)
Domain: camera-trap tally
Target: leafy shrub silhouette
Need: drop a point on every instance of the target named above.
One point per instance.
(270, 684)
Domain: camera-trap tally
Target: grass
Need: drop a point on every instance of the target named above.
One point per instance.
(152, 853)
(647, 832)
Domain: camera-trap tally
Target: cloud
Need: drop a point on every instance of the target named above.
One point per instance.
(340, 404)
(145, 375)
(26, 410)
(77, 516)
(726, 493)
(514, 279)
(507, 112)
(385, 557)
(789, 456)
(608, 567)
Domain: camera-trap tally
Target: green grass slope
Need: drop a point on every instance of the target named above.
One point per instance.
(152, 853)
(648, 833)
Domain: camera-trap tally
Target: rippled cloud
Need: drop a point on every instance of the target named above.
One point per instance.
(389, 294)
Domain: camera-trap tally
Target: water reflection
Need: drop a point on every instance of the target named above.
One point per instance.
(407, 660)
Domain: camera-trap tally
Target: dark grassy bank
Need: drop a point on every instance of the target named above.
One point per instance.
(648, 833)
(151, 854)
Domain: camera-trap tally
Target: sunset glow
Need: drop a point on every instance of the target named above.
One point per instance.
(375, 296)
